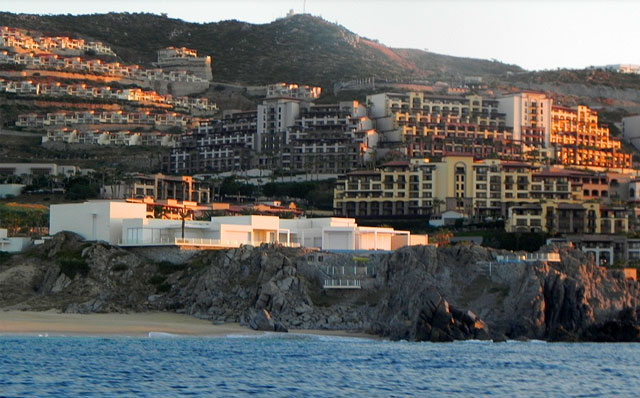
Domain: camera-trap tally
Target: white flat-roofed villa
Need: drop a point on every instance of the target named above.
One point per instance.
(126, 224)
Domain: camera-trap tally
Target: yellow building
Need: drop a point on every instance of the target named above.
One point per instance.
(579, 140)
(568, 217)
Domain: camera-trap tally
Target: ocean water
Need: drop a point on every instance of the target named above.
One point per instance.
(311, 366)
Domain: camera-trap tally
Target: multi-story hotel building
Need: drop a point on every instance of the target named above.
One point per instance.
(435, 126)
(216, 145)
(484, 189)
(332, 139)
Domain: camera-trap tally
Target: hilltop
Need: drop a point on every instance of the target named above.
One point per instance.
(301, 48)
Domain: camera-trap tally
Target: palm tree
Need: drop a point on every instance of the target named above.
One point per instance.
(437, 202)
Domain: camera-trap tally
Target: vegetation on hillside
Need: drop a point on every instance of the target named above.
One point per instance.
(580, 76)
(302, 49)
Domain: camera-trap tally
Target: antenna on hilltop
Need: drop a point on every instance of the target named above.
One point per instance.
(304, 6)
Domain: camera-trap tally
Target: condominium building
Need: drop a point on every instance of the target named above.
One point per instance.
(220, 145)
(330, 139)
(435, 126)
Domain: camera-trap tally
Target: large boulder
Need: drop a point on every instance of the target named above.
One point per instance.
(263, 321)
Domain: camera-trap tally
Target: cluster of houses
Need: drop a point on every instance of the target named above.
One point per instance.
(20, 39)
(96, 66)
(82, 90)
(90, 117)
(103, 137)
(61, 53)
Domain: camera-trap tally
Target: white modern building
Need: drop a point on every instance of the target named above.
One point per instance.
(125, 224)
(30, 169)
(13, 244)
(530, 115)
(9, 190)
(631, 130)
(98, 220)
(344, 234)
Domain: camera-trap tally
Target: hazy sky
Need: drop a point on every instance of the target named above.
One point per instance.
(533, 34)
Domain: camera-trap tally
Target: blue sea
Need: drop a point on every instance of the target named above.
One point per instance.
(311, 366)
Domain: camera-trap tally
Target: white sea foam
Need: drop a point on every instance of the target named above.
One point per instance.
(163, 335)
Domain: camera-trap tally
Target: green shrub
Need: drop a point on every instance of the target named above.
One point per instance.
(120, 267)
(157, 280)
(71, 266)
(163, 288)
(167, 268)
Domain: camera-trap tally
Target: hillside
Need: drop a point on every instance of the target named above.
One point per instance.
(303, 48)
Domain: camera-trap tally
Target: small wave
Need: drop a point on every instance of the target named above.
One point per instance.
(163, 335)
(474, 341)
(249, 336)
(332, 338)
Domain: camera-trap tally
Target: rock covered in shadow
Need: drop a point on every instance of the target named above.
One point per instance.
(263, 321)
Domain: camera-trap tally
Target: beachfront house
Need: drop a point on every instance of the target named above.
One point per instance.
(127, 224)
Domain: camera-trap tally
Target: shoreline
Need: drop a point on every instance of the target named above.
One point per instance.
(139, 324)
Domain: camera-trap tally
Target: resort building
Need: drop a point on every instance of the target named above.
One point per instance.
(422, 125)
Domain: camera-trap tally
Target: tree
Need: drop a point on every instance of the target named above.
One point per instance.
(437, 202)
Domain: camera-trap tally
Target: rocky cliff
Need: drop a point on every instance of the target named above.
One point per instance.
(416, 293)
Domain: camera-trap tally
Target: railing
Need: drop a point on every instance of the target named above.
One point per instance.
(342, 284)
(197, 242)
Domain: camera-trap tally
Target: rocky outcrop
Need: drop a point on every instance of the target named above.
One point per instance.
(262, 320)
(415, 293)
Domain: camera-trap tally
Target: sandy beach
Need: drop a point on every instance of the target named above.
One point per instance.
(133, 324)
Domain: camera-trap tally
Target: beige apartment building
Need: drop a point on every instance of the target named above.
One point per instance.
(485, 189)
(567, 218)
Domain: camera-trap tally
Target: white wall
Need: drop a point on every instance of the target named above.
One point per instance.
(10, 189)
(94, 220)
(631, 130)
